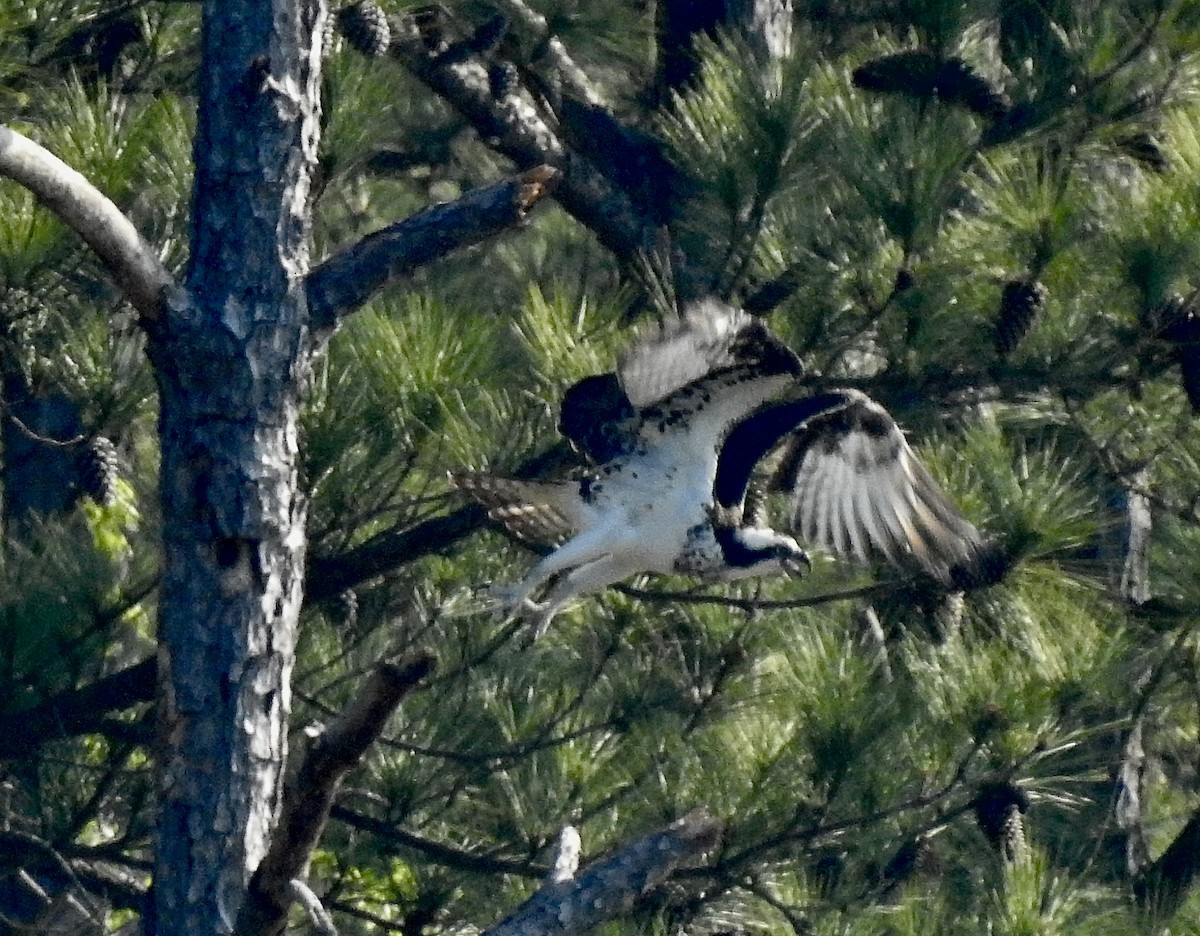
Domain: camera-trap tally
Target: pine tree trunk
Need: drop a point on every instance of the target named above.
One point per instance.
(230, 361)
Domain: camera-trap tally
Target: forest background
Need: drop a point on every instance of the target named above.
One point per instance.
(244, 681)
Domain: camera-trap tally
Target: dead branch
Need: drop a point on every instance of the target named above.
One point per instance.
(132, 262)
(309, 792)
(512, 125)
(609, 888)
(79, 711)
(345, 281)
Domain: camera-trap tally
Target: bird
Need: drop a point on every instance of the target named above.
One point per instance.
(678, 439)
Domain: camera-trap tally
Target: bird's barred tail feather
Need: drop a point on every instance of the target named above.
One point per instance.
(545, 512)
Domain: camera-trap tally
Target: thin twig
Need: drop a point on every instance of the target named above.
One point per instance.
(322, 922)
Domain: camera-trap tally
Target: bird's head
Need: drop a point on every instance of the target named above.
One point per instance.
(751, 551)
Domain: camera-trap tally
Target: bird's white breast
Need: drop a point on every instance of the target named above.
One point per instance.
(654, 499)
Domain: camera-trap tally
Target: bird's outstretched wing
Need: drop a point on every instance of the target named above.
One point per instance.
(700, 361)
(540, 512)
(856, 486)
(702, 339)
(597, 417)
(708, 337)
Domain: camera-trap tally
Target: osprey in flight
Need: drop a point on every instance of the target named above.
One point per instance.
(676, 436)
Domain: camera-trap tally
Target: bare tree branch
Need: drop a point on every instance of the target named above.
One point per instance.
(77, 711)
(78, 204)
(1163, 885)
(331, 575)
(512, 126)
(308, 793)
(609, 888)
(344, 282)
(572, 76)
(566, 858)
(322, 923)
(435, 851)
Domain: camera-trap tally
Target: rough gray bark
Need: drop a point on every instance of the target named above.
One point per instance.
(310, 789)
(344, 282)
(513, 126)
(609, 888)
(230, 360)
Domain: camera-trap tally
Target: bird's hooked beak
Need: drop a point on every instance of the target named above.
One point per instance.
(795, 566)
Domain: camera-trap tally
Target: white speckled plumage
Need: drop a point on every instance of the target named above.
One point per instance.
(701, 402)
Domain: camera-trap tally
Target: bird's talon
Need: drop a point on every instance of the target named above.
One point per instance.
(798, 565)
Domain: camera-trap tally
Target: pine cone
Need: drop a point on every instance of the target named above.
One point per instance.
(923, 75)
(1145, 149)
(98, 470)
(1020, 302)
(912, 72)
(999, 808)
(365, 26)
(1012, 835)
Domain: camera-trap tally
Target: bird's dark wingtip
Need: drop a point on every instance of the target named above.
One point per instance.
(988, 565)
